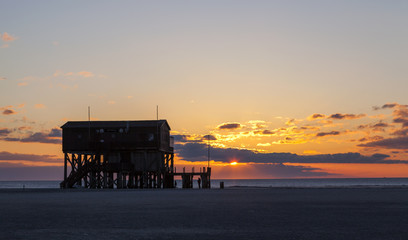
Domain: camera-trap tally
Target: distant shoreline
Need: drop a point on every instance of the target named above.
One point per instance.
(73, 190)
(253, 183)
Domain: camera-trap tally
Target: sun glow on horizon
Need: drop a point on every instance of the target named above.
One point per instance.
(233, 163)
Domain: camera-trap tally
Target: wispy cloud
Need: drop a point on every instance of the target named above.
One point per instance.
(4, 132)
(264, 132)
(59, 79)
(85, 74)
(378, 127)
(198, 152)
(8, 156)
(21, 172)
(400, 122)
(316, 116)
(385, 106)
(257, 124)
(229, 126)
(390, 143)
(323, 134)
(7, 38)
(208, 138)
(373, 138)
(8, 110)
(54, 136)
(336, 116)
(340, 116)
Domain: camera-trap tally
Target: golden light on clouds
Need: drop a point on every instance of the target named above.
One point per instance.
(263, 144)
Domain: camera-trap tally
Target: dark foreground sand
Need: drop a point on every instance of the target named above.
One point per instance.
(272, 213)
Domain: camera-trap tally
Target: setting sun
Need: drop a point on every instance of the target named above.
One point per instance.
(234, 163)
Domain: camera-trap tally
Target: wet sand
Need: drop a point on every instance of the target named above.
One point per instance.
(245, 213)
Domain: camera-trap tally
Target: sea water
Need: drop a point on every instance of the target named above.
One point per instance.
(29, 184)
(314, 183)
(257, 183)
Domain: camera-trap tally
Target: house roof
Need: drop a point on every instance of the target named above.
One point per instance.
(114, 124)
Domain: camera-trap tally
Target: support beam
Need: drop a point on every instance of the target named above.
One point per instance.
(98, 170)
(65, 170)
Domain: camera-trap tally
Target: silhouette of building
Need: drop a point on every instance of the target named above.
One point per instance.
(120, 154)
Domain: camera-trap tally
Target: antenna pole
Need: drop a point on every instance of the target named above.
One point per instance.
(89, 124)
(157, 112)
(209, 146)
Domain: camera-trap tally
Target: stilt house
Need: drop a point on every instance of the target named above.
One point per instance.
(117, 154)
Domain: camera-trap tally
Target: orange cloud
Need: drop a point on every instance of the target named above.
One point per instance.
(86, 74)
(7, 110)
(7, 37)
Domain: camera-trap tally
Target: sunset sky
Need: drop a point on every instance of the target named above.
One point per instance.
(287, 89)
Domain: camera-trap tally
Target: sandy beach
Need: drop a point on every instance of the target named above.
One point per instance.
(241, 213)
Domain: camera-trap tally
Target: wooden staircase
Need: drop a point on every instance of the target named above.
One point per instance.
(75, 176)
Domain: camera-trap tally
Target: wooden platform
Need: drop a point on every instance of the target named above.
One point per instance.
(203, 180)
